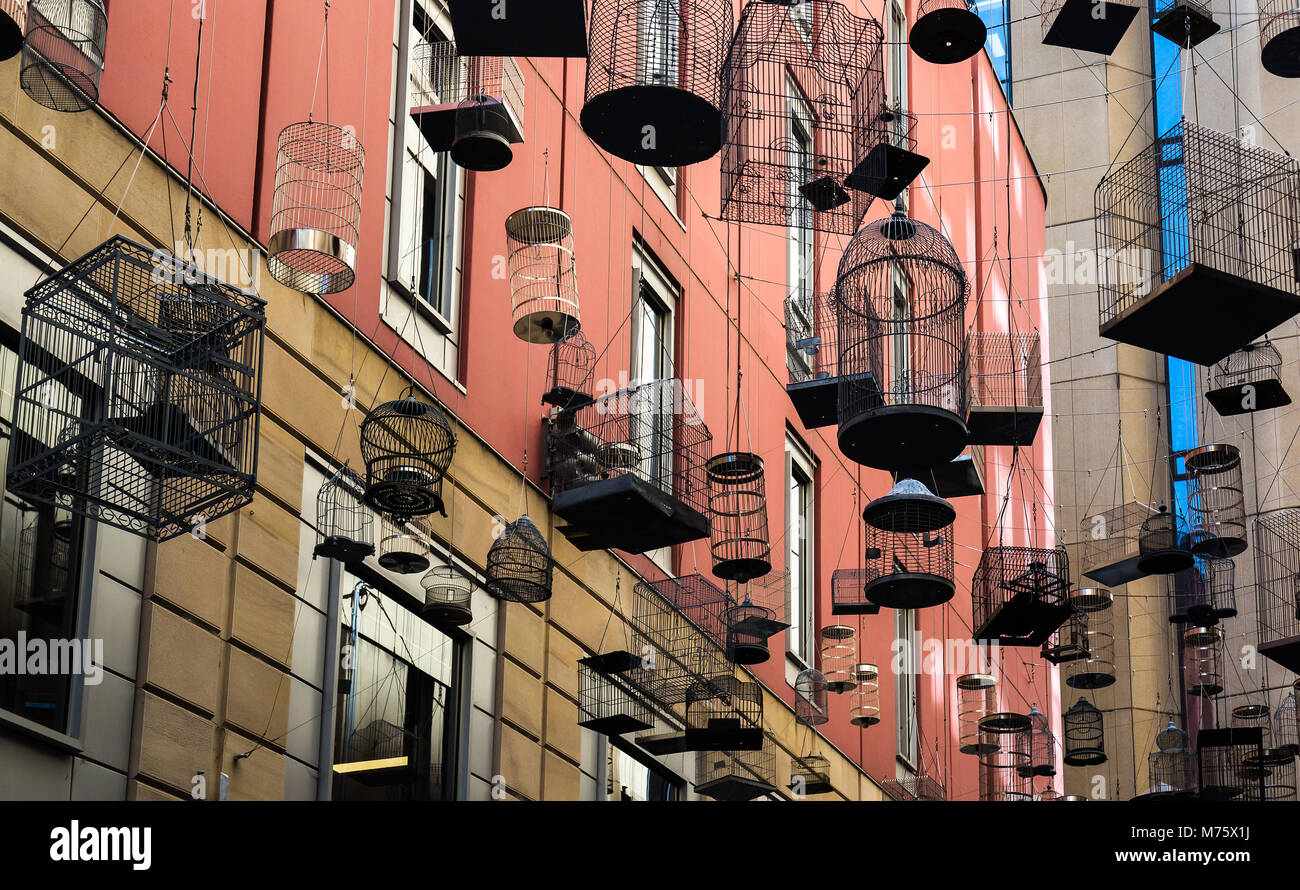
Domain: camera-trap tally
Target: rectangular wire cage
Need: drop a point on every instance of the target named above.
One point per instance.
(915, 787)
(812, 357)
(1228, 764)
(1277, 579)
(737, 775)
(606, 703)
(138, 392)
(810, 774)
(1006, 387)
(884, 135)
(756, 611)
(1108, 544)
(1019, 594)
(1196, 241)
(443, 82)
(675, 652)
(724, 714)
(848, 593)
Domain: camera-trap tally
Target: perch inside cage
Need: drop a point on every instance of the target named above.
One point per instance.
(1277, 585)
(1222, 756)
(1251, 378)
(810, 699)
(908, 570)
(839, 655)
(1203, 661)
(1006, 387)
(1171, 768)
(345, 524)
(448, 594)
(570, 370)
(724, 714)
(606, 704)
(1019, 594)
(1279, 37)
(13, 22)
(519, 564)
(1042, 745)
(1216, 499)
(977, 698)
(403, 546)
(407, 446)
(1096, 669)
(864, 700)
(557, 29)
(1161, 545)
(62, 52)
(543, 275)
(738, 516)
(946, 31)
(1077, 24)
(810, 774)
(1084, 735)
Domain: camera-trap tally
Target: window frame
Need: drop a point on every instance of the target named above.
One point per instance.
(906, 718)
(801, 510)
(801, 251)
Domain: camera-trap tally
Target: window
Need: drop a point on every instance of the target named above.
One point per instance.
(997, 22)
(905, 686)
(631, 778)
(800, 162)
(658, 41)
(653, 336)
(897, 74)
(800, 557)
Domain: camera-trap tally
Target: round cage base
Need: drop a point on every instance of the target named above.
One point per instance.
(58, 87)
(564, 396)
(865, 720)
(748, 652)
(909, 590)
(1204, 690)
(841, 686)
(482, 151)
(548, 326)
(454, 614)
(1005, 721)
(1170, 561)
(655, 126)
(1090, 680)
(1221, 547)
(1085, 757)
(11, 37)
(311, 261)
(946, 36)
(909, 513)
(517, 591)
(402, 562)
(902, 437)
(982, 748)
(1280, 56)
(405, 493)
(344, 549)
(741, 570)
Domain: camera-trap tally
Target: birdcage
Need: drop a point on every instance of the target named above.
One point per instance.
(316, 209)
(908, 570)
(570, 371)
(654, 79)
(864, 699)
(605, 704)
(1171, 768)
(407, 446)
(403, 546)
(909, 507)
(914, 786)
(886, 132)
(738, 516)
(811, 707)
(810, 774)
(1077, 24)
(13, 22)
(1085, 743)
(345, 524)
(1042, 745)
(1286, 723)
(138, 392)
(1001, 785)
(555, 29)
(628, 470)
(788, 150)
(1221, 216)
(1069, 642)
(1215, 499)
(1185, 22)
(1249, 380)
(1005, 742)
(1161, 546)
(1279, 37)
(1254, 715)
(448, 594)
(812, 358)
(839, 651)
(724, 714)
(902, 303)
(1006, 386)
(677, 623)
(1273, 777)
(1096, 670)
(946, 31)
(1222, 757)
(848, 596)
(1205, 594)
(1203, 661)
(1109, 544)
(977, 698)
(748, 628)
(737, 775)
(1020, 594)
(543, 274)
(1277, 580)
(63, 52)
(519, 564)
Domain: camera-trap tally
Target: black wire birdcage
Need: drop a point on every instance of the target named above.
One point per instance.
(407, 446)
(884, 136)
(737, 775)
(448, 596)
(1216, 500)
(13, 22)
(1005, 740)
(1203, 661)
(1185, 22)
(1006, 387)
(1096, 669)
(1171, 768)
(1223, 757)
(811, 707)
(946, 31)
(1069, 642)
(519, 564)
(403, 545)
(606, 704)
(909, 507)
(1254, 715)
(977, 698)
(1279, 37)
(1002, 785)
(570, 371)
(1085, 743)
(810, 774)
(864, 699)
(848, 593)
(1286, 722)
(1109, 544)
(1272, 777)
(345, 524)
(1162, 547)
(902, 304)
(1206, 593)
(794, 82)
(628, 470)
(1042, 746)
(1249, 380)
(1195, 242)
(63, 53)
(749, 627)
(556, 29)
(678, 623)
(654, 79)
(738, 516)
(1277, 584)
(1020, 594)
(1076, 24)
(908, 570)
(918, 786)
(138, 392)
(724, 714)
(812, 357)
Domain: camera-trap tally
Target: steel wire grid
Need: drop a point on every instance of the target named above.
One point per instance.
(1014, 575)
(908, 567)
(915, 787)
(1255, 363)
(407, 446)
(1096, 669)
(607, 705)
(63, 53)
(570, 368)
(811, 335)
(1084, 729)
(1006, 370)
(677, 624)
(1228, 764)
(810, 699)
(440, 76)
(1277, 575)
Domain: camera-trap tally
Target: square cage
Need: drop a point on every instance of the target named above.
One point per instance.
(606, 704)
(1249, 380)
(915, 787)
(1108, 546)
(627, 469)
(1277, 576)
(1095, 26)
(848, 593)
(737, 775)
(138, 392)
(446, 85)
(812, 358)
(724, 714)
(1019, 594)
(1196, 241)
(675, 652)
(1006, 388)
(1228, 764)
(810, 774)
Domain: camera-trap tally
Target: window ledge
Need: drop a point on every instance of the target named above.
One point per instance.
(422, 309)
(53, 738)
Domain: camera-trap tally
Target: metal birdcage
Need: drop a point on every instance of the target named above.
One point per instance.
(1162, 548)
(1219, 216)
(909, 507)
(654, 79)
(848, 593)
(1203, 661)
(316, 209)
(556, 29)
(738, 516)
(519, 564)
(1286, 722)
(724, 714)
(448, 595)
(403, 545)
(1216, 499)
(1003, 785)
(1109, 550)
(345, 524)
(946, 31)
(543, 275)
(864, 699)
(885, 133)
(1077, 24)
(1273, 777)
(1096, 670)
(1171, 768)
(977, 698)
(628, 469)
(407, 446)
(13, 22)
(1020, 594)
(812, 357)
(902, 302)
(1042, 745)
(1223, 758)
(1254, 715)
(839, 655)
(1069, 642)
(908, 570)
(794, 83)
(1005, 742)
(1206, 594)
(1277, 581)
(1185, 22)
(810, 774)
(737, 775)
(811, 707)
(138, 392)
(1006, 387)
(1279, 37)
(1249, 380)
(570, 370)
(749, 626)
(606, 704)
(63, 52)
(1085, 743)
(676, 622)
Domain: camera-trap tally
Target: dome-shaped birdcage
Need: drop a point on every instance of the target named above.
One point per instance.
(1215, 500)
(543, 275)
(1279, 37)
(654, 79)
(903, 386)
(1096, 670)
(977, 697)
(738, 516)
(1171, 768)
(345, 524)
(447, 596)
(1249, 380)
(1085, 743)
(1160, 545)
(1203, 661)
(908, 570)
(407, 446)
(13, 22)
(519, 564)
(864, 700)
(63, 53)
(909, 508)
(403, 546)
(810, 699)
(1042, 745)
(316, 209)
(946, 31)
(839, 651)
(570, 370)
(1286, 722)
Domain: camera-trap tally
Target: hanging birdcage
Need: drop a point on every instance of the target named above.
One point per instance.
(345, 524)
(1272, 778)
(469, 105)
(678, 623)
(13, 22)
(1184, 22)
(1161, 546)
(946, 31)
(1216, 500)
(556, 29)
(1228, 273)
(916, 786)
(1042, 745)
(810, 774)
(605, 704)
(519, 564)
(570, 370)
(848, 593)
(789, 151)
(886, 133)
(724, 714)
(908, 570)
(63, 52)
(1085, 743)
(1254, 715)
(748, 630)
(654, 79)
(909, 507)
(902, 301)
(1222, 757)
(1004, 785)
(1096, 670)
(543, 275)
(1171, 770)
(1251, 378)
(1203, 661)
(1109, 551)
(1019, 594)
(448, 594)
(316, 209)
(1286, 723)
(811, 707)
(1076, 24)
(864, 699)
(407, 446)
(839, 653)
(138, 392)
(977, 698)
(1069, 642)
(1279, 37)
(1277, 581)
(1205, 594)
(737, 775)
(738, 516)
(403, 546)
(812, 357)
(1006, 386)
(1005, 740)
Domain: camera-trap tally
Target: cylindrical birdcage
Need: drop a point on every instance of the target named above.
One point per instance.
(1042, 745)
(13, 22)
(519, 564)
(316, 210)
(946, 31)
(63, 53)
(1004, 785)
(1203, 661)
(569, 370)
(1085, 743)
(1069, 642)
(902, 333)
(864, 700)
(1097, 669)
(811, 707)
(1171, 768)
(909, 507)
(654, 79)
(1160, 547)
(1207, 594)
(1254, 715)
(748, 629)
(543, 275)
(403, 548)
(908, 569)
(738, 516)
(1272, 776)
(1279, 37)
(1005, 740)
(447, 596)
(839, 653)
(977, 697)
(345, 524)
(407, 446)
(1286, 722)
(1216, 500)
